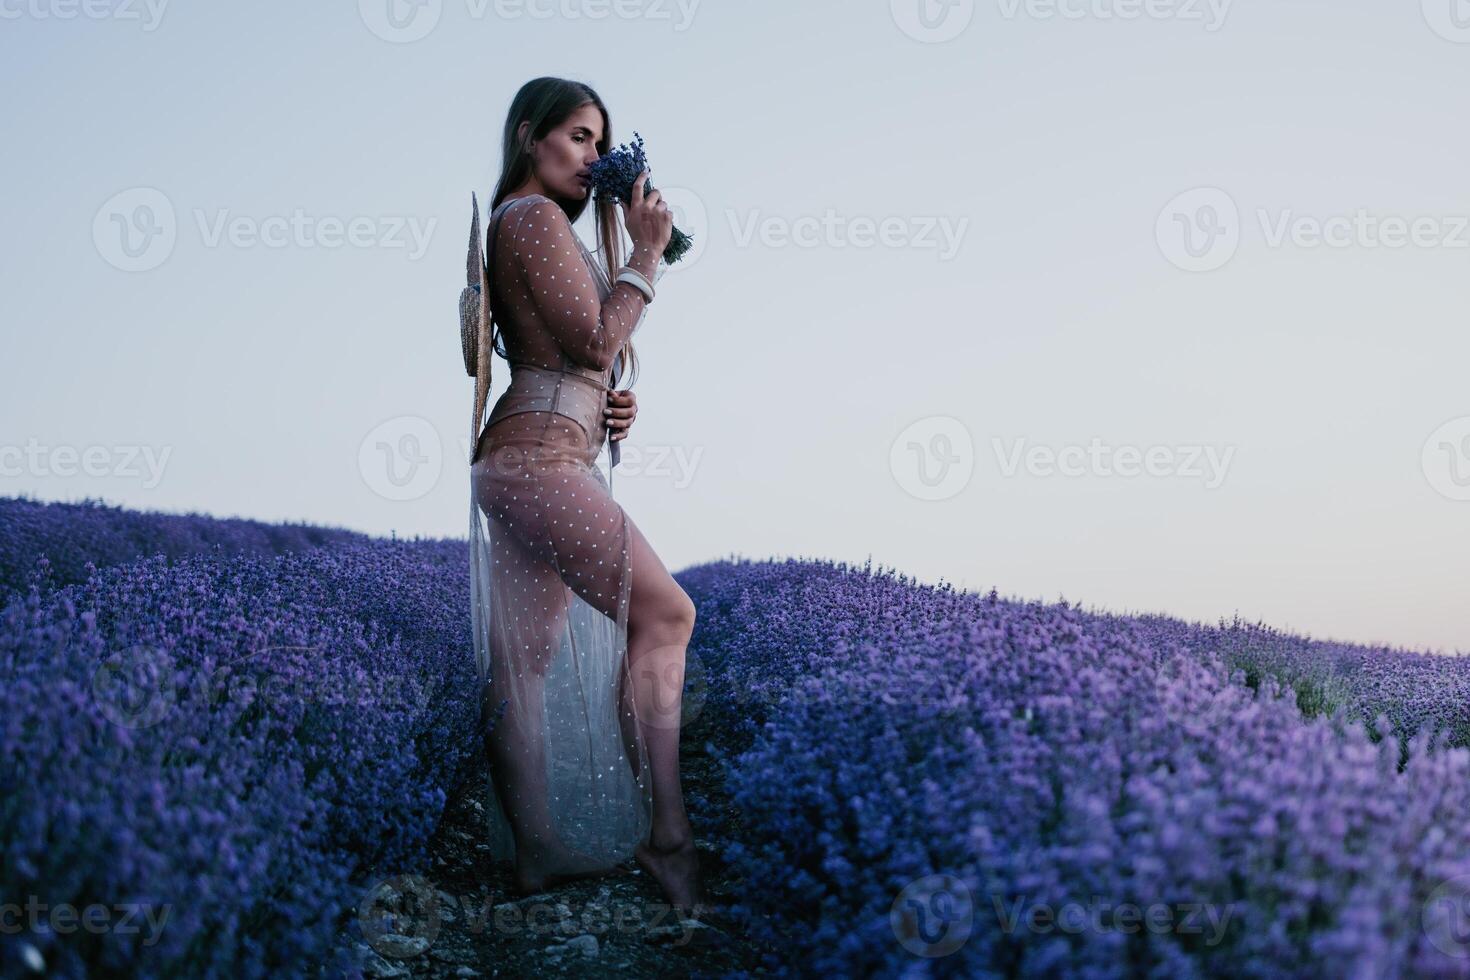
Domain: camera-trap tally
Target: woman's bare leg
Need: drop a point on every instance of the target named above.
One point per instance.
(532, 607)
(628, 721)
(575, 529)
(514, 745)
(660, 623)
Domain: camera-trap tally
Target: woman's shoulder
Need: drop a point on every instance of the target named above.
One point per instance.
(537, 223)
(537, 207)
(530, 201)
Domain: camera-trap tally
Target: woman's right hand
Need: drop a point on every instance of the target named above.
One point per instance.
(649, 220)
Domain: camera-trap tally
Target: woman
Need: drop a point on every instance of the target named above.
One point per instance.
(580, 630)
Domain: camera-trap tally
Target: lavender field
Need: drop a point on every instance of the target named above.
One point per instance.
(226, 728)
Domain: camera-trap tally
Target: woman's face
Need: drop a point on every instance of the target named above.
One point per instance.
(563, 155)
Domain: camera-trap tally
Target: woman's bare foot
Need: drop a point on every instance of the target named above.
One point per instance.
(537, 869)
(674, 864)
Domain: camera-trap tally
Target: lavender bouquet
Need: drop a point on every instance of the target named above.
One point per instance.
(613, 175)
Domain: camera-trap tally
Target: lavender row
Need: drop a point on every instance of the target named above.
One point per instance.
(935, 783)
(215, 758)
(70, 535)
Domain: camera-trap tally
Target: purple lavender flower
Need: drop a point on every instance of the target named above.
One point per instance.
(612, 176)
(912, 774)
(234, 740)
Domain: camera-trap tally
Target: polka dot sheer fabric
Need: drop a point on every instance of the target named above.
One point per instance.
(552, 556)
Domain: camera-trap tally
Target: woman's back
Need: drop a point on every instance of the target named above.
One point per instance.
(552, 307)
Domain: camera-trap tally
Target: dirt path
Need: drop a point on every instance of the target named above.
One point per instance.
(615, 926)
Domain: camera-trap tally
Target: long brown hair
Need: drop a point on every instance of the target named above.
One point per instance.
(545, 103)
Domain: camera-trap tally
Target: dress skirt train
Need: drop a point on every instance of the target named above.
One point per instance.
(550, 573)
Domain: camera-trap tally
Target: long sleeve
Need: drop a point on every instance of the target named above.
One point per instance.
(563, 291)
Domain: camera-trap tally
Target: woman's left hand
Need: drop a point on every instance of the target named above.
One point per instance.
(622, 409)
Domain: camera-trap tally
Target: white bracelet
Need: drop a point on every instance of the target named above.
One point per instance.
(638, 280)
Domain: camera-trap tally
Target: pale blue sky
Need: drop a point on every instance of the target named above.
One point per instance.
(921, 259)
